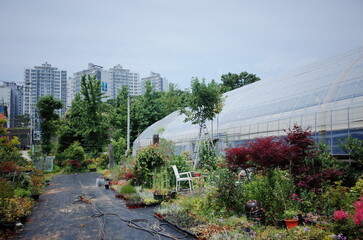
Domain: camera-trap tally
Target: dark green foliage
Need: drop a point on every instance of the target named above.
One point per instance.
(119, 148)
(46, 106)
(118, 118)
(232, 81)
(229, 194)
(354, 147)
(94, 123)
(75, 152)
(148, 159)
(145, 110)
(22, 120)
(86, 121)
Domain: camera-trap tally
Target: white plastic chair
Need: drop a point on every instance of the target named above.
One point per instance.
(184, 176)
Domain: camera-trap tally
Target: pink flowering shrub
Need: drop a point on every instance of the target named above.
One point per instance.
(340, 215)
(358, 216)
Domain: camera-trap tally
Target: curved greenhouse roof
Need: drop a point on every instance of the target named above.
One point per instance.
(326, 96)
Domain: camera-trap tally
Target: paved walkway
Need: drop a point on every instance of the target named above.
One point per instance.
(59, 216)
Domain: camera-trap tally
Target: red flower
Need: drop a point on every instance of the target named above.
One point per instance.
(340, 215)
(358, 216)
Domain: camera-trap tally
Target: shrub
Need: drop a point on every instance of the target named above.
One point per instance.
(148, 159)
(237, 158)
(207, 156)
(21, 192)
(102, 161)
(272, 190)
(72, 166)
(75, 152)
(127, 189)
(36, 184)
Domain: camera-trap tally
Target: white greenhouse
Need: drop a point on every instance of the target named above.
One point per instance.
(326, 96)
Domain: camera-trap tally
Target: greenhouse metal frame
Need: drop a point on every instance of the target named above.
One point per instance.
(326, 97)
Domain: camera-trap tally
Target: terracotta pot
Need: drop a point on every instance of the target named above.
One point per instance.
(291, 223)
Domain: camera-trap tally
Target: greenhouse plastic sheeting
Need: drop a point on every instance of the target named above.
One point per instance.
(326, 96)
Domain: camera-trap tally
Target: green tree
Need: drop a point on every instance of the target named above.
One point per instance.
(46, 107)
(118, 118)
(87, 119)
(172, 100)
(22, 120)
(71, 127)
(232, 81)
(94, 125)
(354, 147)
(203, 104)
(145, 110)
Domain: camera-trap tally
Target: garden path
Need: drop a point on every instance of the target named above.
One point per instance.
(59, 215)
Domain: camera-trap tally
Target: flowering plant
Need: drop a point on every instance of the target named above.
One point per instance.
(14, 208)
(340, 215)
(358, 216)
(36, 184)
(350, 225)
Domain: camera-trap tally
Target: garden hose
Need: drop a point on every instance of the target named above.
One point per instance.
(141, 224)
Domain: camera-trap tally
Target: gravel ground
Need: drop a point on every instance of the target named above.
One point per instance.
(59, 215)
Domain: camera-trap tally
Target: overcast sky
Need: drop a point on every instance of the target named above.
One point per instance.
(179, 39)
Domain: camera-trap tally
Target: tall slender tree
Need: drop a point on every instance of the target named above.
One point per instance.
(204, 103)
(93, 118)
(46, 107)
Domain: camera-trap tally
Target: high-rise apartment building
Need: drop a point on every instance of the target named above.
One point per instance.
(74, 82)
(11, 96)
(159, 83)
(111, 81)
(43, 81)
(124, 77)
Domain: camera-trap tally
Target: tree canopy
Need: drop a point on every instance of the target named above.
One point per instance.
(232, 81)
(46, 109)
(204, 102)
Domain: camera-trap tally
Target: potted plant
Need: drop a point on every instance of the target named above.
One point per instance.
(92, 167)
(290, 217)
(160, 185)
(133, 201)
(11, 211)
(36, 186)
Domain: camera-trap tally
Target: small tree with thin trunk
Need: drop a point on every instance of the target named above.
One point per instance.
(203, 104)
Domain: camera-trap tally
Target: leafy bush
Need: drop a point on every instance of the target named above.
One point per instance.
(127, 189)
(207, 156)
(102, 161)
(354, 147)
(333, 198)
(272, 190)
(21, 192)
(75, 152)
(72, 166)
(148, 159)
(228, 196)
